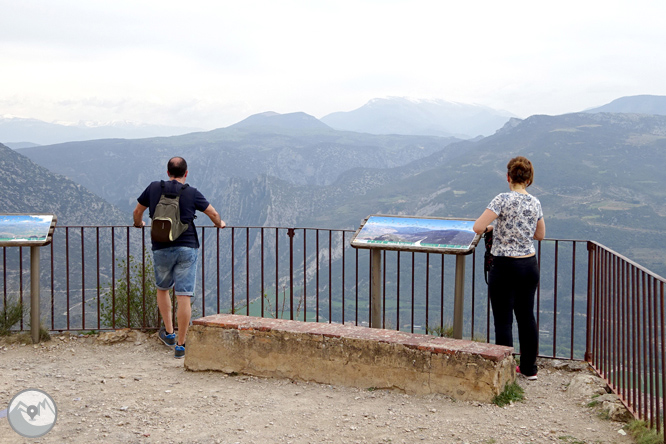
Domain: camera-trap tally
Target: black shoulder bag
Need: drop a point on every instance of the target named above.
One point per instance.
(487, 256)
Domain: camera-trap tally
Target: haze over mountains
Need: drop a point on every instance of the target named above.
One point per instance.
(17, 132)
(399, 115)
(393, 115)
(599, 175)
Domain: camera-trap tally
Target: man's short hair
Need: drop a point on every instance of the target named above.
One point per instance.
(177, 167)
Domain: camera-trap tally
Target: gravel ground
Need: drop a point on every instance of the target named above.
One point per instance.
(136, 392)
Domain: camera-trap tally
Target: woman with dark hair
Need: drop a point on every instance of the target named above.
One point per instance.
(514, 274)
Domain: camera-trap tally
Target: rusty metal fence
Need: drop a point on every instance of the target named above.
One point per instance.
(625, 341)
(308, 274)
(591, 303)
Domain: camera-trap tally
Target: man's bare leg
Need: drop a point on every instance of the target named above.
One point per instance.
(164, 305)
(184, 315)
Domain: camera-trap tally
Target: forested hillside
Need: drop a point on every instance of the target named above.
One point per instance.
(30, 188)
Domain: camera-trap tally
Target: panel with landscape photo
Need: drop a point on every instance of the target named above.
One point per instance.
(422, 234)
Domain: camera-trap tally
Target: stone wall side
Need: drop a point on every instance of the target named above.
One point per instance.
(346, 361)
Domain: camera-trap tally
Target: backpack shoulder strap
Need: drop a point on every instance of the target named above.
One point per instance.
(183, 188)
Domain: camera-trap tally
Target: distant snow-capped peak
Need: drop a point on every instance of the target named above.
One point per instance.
(97, 124)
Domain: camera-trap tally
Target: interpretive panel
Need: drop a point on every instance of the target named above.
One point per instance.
(26, 229)
(422, 234)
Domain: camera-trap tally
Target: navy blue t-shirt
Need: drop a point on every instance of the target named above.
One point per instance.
(190, 201)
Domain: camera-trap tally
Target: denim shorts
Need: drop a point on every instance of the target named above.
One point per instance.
(176, 267)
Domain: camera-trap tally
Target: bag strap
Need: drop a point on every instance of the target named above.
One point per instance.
(183, 189)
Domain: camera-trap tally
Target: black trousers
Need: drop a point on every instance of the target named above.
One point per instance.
(512, 284)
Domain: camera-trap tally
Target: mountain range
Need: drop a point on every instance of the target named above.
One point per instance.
(644, 104)
(390, 115)
(393, 115)
(17, 132)
(598, 175)
(295, 148)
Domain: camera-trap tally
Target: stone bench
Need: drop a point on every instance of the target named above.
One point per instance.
(349, 355)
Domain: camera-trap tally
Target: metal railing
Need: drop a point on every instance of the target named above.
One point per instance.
(591, 303)
(295, 273)
(626, 331)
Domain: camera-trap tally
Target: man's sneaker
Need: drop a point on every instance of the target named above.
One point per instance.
(529, 378)
(168, 339)
(179, 351)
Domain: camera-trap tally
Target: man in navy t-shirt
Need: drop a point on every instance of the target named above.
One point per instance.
(175, 262)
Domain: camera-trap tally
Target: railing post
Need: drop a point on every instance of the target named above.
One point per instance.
(590, 277)
(83, 282)
(127, 265)
(291, 232)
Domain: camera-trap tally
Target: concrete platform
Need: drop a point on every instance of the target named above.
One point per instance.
(349, 355)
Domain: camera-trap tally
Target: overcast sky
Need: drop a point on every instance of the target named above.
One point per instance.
(209, 64)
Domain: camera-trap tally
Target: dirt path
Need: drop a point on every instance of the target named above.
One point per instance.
(136, 392)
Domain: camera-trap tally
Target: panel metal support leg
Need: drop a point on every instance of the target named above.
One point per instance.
(376, 289)
(34, 294)
(458, 303)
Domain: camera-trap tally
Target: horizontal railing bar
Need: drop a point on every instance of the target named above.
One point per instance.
(629, 261)
(348, 230)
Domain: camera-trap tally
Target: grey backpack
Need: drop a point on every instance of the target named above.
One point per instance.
(166, 226)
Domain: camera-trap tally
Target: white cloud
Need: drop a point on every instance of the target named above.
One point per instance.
(46, 219)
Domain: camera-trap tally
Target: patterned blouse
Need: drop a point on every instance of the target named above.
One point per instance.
(517, 216)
